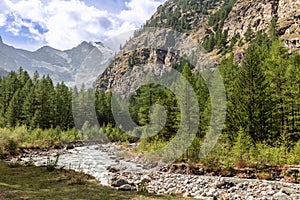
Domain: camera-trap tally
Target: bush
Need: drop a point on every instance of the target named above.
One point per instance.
(295, 154)
(70, 135)
(11, 146)
(52, 164)
(8, 143)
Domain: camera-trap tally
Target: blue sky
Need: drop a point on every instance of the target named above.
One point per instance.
(63, 24)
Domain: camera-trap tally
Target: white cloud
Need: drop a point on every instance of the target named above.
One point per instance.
(33, 10)
(4, 8)
(139, 11)
(2, 20)
(70, 22)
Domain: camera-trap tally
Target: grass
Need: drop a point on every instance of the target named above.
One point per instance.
(29, 182)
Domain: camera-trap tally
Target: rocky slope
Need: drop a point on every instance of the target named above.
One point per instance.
(258, 15)
(191, 18)
(78, 65)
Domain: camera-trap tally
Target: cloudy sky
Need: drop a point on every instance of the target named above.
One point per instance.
(63, 24)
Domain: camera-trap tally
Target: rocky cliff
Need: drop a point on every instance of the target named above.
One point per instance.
(258, 15)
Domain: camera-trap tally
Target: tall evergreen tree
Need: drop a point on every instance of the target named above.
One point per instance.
(253, 102)
(13, 113)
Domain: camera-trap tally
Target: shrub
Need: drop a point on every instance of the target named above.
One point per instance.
(52, 164)
(295, 154)
(11, 146)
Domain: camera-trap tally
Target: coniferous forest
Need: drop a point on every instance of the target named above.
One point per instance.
(262, 123)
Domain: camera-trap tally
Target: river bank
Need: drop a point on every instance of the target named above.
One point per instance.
(109, 164)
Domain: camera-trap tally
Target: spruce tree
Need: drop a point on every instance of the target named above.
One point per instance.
(253, 101)
(13, 113)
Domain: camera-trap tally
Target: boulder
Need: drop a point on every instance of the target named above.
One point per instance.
(119, 183)
(113, 169)
(70, 146)
(126, 187)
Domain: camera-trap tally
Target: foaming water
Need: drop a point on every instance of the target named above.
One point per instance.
(89, 160)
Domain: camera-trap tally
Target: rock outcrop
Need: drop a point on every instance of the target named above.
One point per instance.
(128, 68)
(288, 22)
(258, 15)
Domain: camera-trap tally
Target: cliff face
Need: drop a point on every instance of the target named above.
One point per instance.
(289, 22)
(258, 15)
(160, 47)
(130, 67)
(190, 19)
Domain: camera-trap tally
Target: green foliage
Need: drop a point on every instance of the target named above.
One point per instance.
(249, 34)
(11, 139)
(93, 133)
(220, 16)
(242, 145)
(115, 134)
(52, 164)
(34, 102)
(187, 14)
(217, 37)
(262, 100)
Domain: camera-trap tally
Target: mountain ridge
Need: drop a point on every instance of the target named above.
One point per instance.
(60, 65)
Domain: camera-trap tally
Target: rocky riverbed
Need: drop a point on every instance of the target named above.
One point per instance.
(205, 187)
(106, 164)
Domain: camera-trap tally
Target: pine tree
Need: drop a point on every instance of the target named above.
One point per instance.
(189, 108)
(28, 102)
(44, 108)
(283, 89)
(249, 34)
(63, 116)
(253, 102)
(203, 96)
(228, 69)
(13, 113)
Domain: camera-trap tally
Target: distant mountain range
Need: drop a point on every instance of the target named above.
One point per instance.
(76, 66)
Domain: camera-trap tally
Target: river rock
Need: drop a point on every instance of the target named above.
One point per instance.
(119, 183)
(146, 179)
(126, 187)
(113, 169)
(70, 146)
(204, 198)
(211, 192)
(280, 194)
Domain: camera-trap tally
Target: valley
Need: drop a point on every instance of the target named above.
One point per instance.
(202, 101)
